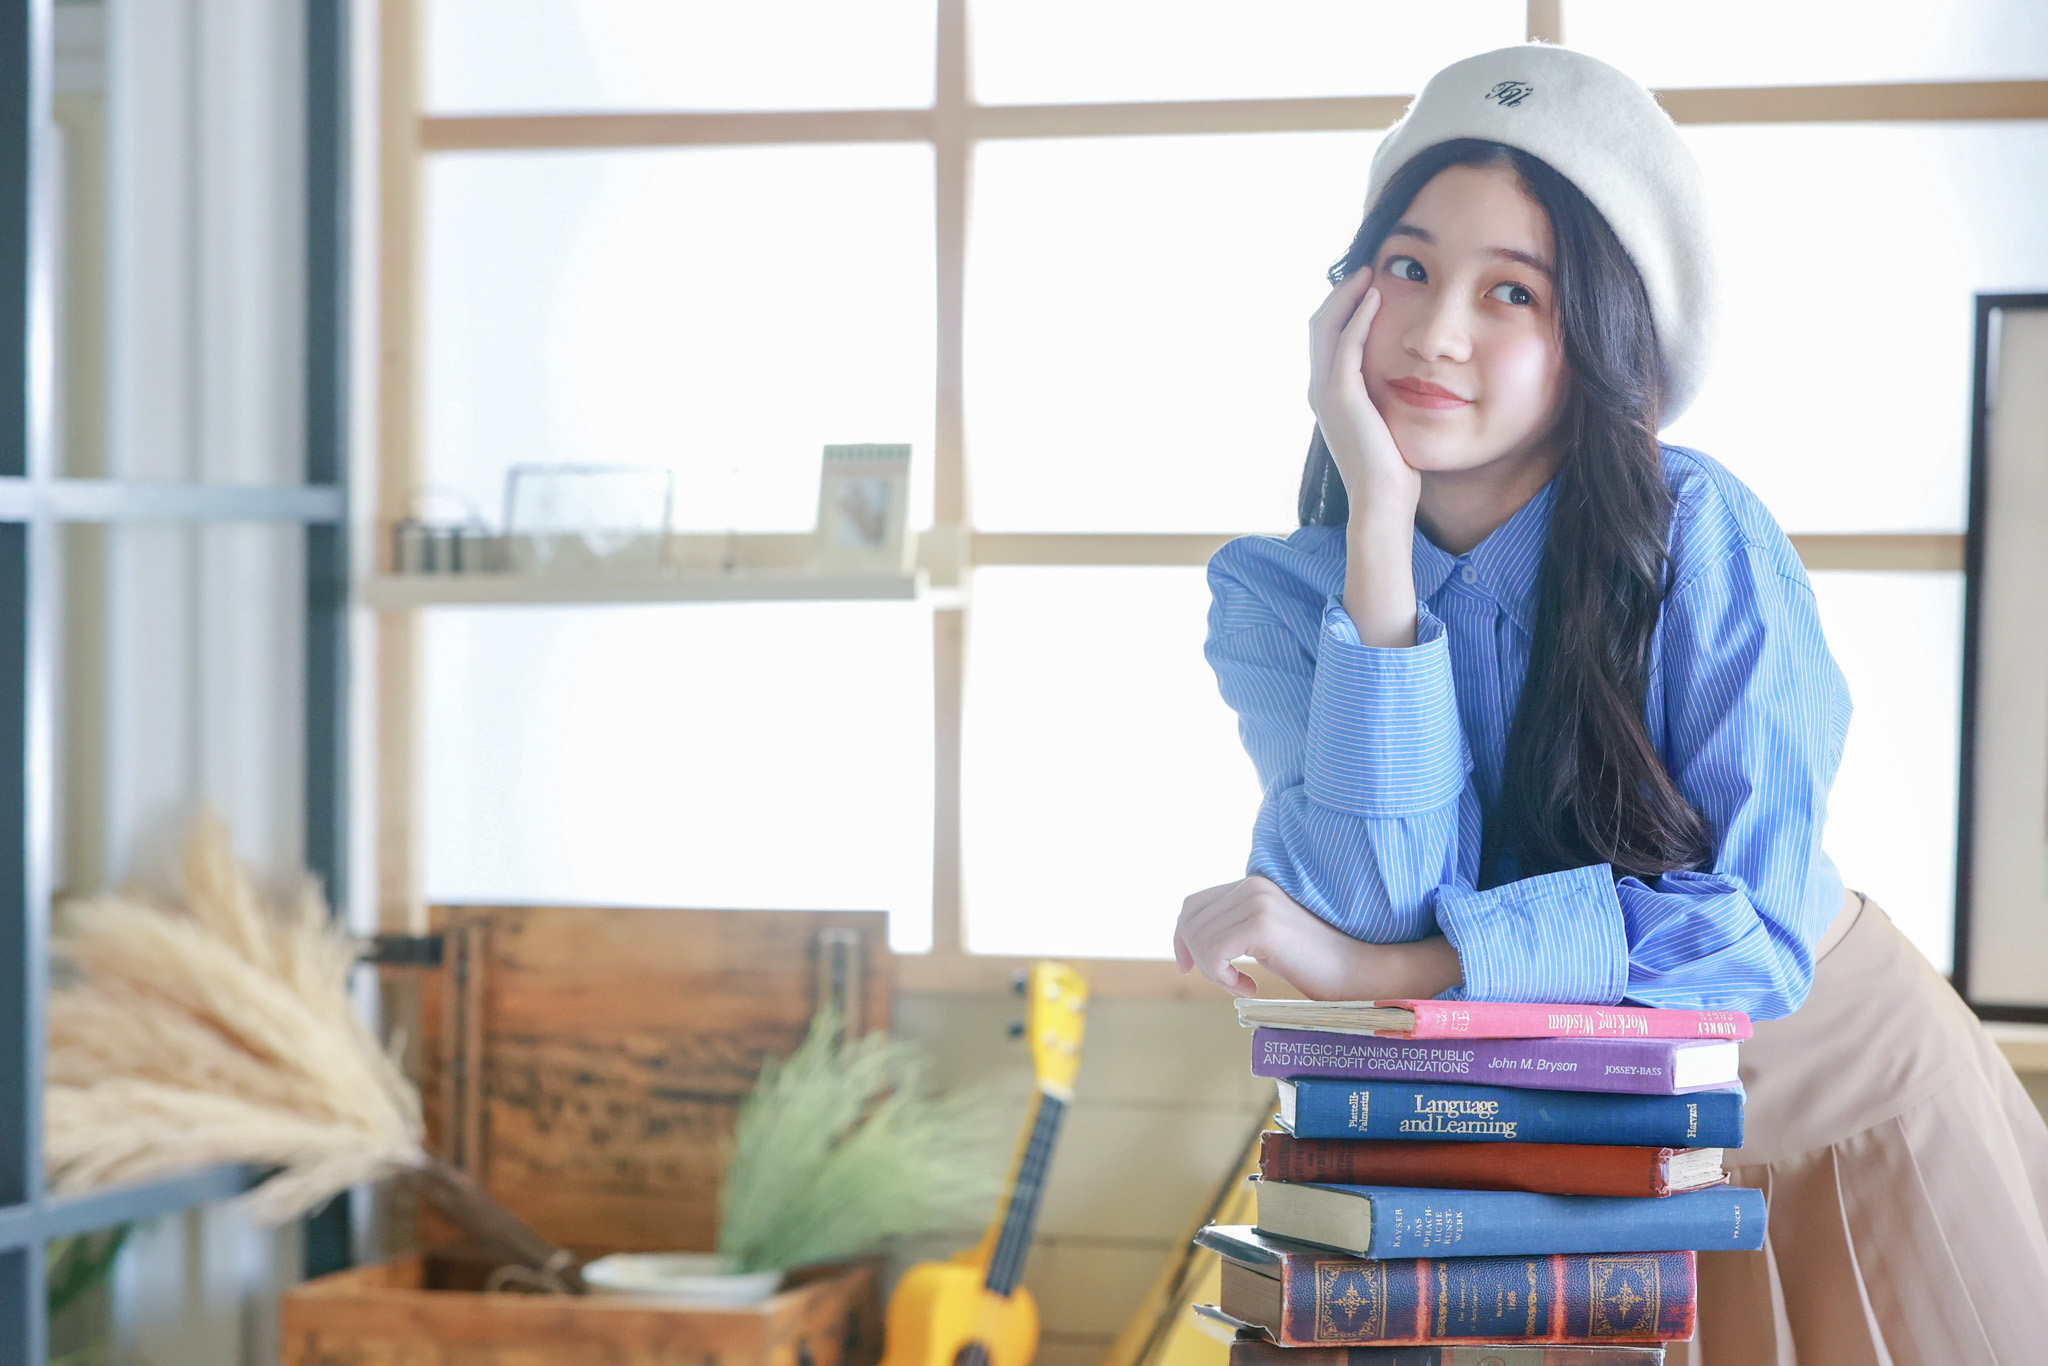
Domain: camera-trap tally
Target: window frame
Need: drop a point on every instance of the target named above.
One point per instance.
(35, 504)
(949, 552)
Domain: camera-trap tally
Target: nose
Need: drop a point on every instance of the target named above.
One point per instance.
(1441, 330)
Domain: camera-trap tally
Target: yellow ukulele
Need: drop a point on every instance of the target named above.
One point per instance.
(971, 1311)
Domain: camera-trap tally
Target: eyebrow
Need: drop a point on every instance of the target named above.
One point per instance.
(1504, 253)
(1510, 254)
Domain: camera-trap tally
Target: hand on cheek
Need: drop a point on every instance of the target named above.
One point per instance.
(1352, 427)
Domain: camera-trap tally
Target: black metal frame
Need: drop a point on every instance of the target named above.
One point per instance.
(34, 502)
(1988, 306)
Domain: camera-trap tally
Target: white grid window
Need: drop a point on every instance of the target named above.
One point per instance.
(1067, 252)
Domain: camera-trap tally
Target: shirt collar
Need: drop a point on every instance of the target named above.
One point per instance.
(1505, 564)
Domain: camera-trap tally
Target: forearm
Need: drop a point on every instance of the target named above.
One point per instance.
(1379, 574)
(1386, 972)
(1364, 826)
(1419, 970)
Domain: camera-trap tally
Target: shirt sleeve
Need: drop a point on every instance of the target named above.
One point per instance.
(1756, 712)
(1360, 757)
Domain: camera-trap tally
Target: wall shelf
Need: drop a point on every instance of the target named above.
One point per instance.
(407, 592)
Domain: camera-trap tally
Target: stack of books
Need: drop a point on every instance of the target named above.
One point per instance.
(1462, 1181)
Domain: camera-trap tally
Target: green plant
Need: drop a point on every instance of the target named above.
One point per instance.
(76, 1264)
(836, 1153)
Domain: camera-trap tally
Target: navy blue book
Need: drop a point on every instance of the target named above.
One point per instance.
(1342, 1107)
(1382, 1222)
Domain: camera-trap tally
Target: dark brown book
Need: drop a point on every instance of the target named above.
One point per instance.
(1249, 1350)
(1303, 1296)
(1544, 1168)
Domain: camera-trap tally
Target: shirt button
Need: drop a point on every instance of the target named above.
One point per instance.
(1467, 575)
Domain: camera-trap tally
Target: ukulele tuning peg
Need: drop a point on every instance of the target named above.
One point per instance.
(1020, 983)
(1016, 1029)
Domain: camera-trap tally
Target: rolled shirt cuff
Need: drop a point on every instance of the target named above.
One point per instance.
(1383, 733)
(1554, 938)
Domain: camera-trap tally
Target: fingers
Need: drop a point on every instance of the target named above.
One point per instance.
(1218, 964)
(1218, 925)
(1342, 302)
(1337, 357)
(1352, 286)
(1190, 910)
(1351, 341)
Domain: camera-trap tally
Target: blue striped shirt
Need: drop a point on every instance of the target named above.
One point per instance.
(1379, 765)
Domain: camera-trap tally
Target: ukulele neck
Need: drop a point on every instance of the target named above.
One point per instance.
(1012, 1242)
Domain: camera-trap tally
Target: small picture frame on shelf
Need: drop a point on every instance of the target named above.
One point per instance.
(864, 511)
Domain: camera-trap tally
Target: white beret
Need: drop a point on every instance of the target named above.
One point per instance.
(1607, 135)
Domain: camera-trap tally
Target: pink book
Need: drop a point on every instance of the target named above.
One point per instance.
(1492, 1020)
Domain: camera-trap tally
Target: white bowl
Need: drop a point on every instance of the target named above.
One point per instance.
(684, 1277)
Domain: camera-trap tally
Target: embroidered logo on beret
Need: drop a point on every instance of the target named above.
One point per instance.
(1508, 94)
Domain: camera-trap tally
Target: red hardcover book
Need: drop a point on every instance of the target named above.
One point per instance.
(1492, 1020)
(1544, 1168)
(1305, 1297)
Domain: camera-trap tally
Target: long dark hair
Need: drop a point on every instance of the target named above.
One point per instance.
(1582, 783)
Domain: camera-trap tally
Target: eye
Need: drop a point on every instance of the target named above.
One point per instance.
(1508, 292)
(1406, 268)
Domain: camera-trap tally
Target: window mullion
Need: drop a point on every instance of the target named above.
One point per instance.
(953, 155)
(400, 308)
(26, 151)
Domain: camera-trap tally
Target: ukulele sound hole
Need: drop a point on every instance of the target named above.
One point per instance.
(973, 1354)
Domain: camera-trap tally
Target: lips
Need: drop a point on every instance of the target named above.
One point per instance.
(1420, 393)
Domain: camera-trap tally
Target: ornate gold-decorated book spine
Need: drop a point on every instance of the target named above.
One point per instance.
(1250, 1351)
(1634, 1298)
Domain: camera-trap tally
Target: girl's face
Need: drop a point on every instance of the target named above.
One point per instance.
(1466, 359)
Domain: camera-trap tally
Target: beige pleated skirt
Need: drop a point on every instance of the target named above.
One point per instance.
(1906, 1173)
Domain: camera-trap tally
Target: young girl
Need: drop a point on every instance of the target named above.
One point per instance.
(1543, 712)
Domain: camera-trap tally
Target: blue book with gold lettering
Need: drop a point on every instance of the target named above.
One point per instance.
(1338, 1107)
(1300, 1296)
(1407, 1221)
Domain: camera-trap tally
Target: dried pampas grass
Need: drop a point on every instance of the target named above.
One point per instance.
(219, 1028)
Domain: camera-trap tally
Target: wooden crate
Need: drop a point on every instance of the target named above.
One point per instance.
(408, 1313)
(585, 1064)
